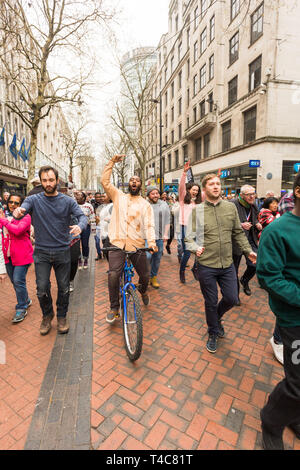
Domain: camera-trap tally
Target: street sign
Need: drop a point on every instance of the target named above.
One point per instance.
(225, 173)
(254, 163)
(297, 167)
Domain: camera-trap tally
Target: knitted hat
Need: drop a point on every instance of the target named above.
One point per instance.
(151, 188)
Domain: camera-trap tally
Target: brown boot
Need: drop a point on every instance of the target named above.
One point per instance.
(62, 325)
(46, 325)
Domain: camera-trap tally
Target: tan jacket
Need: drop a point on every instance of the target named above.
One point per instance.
(132, 219)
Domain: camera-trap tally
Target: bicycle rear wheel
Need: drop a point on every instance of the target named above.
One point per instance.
(132, 325)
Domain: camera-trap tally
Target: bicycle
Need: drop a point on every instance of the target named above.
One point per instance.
(131, 313)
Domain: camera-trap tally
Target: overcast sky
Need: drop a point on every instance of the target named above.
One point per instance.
(139, 23)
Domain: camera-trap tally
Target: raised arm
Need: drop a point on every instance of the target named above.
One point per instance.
(109, 188)
(19, 228)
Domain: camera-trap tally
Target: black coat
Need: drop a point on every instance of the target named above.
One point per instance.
(252, 234)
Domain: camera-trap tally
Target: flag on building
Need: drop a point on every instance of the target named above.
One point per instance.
(13, 147)
(27, 152)
(22, 151)
(2, 136)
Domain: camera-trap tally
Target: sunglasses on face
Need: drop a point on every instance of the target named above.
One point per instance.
(14, 202)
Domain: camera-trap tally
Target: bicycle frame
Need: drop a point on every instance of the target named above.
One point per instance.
(128, 274)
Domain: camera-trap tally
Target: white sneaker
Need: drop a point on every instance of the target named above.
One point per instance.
(277, 349)
(71, 287)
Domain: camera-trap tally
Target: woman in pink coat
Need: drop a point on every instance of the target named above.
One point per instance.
(18, 252)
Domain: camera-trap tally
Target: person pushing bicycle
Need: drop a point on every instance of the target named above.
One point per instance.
(132, 223)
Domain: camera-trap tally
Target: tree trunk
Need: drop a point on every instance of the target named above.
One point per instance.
(32, 158)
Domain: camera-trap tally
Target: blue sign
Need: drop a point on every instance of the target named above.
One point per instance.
(225, 173)
(297, 167)
(171, 187)
(254, 163)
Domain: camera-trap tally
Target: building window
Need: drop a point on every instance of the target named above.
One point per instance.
(255, 74)
(203, 76)
(195, 113)
(172, 64)
(204, 7)
(257, 21)
(172, 114)
(211, 64)
(206, 146)
(195, 85)
(166, 98)
(188, 68)
(234, 48)
(176, 159)
(188, 96)
(170, 162)
(188, 36)
(179, 51)
(196, 18)
(202, 109)
(176, 24)
(179, 106)
(198, 146)
(187, 122)
(163, 165)
(172, 90)
(185, 153)
(235, 8)
(250, 125)
(212, 28)
(180, 131)
(166, 121)
(196, 51)
(226, 136)
(203, 40)
(210, 102)
(179, 80)
(232, 90)
(172, 137)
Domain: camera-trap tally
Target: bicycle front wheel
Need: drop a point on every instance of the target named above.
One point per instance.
(132, 324)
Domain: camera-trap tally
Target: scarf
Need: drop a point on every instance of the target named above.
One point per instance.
(244, 203)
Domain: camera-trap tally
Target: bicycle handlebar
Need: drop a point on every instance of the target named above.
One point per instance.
(114, 248)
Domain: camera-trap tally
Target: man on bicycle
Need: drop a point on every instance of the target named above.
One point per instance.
(132, 222)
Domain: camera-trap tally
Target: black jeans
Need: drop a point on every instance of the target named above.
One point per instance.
(209, 279)
(283, 406)
(116, 261)
(60, 261)
(250, 270)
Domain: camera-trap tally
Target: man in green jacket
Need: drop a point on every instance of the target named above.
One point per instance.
(278, 271)
(211, 228)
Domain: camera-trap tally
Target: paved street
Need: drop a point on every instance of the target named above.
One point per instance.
(79, 391)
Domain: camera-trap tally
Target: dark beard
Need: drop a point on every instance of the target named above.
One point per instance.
(134, 192)
(51, 191)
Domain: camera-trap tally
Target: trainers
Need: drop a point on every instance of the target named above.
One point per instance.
(277, 350)
(46, 325)
(85, 263)
(19, 316)
(71, 286)
(62, 325)
(80, 264)
(221, 332)
(112, 316)
(211, 344)
(154, 283)
(29, 303)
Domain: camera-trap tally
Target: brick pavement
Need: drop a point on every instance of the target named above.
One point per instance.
(177, 395)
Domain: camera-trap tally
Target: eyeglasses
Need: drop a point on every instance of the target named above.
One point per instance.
(14, 202)
(250, 194)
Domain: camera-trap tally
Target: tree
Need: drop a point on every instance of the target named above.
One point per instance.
(132, 110)
(33, 36)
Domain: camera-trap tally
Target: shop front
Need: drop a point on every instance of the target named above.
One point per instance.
(233, 178)
(289, 170)
(12, 180)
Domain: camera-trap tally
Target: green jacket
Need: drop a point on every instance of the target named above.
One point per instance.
(278, 268)
(214, 227)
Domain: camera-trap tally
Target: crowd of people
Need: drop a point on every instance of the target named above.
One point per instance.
(52, 227)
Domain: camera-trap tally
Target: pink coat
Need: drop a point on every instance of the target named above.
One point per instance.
(18, 240)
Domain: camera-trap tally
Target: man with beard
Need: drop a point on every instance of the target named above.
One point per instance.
(212, 227)
(51, 212)
(132, 222)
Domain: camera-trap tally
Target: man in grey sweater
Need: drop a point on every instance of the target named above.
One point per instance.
(51, 213)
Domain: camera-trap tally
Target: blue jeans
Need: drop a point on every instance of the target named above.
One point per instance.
(185, 253)
(17, 275)
(156, 257)
(85, 237)
(97, 243)
(209, 279)
(60, 261)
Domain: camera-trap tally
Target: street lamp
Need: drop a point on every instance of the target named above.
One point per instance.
(160, 141)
